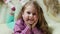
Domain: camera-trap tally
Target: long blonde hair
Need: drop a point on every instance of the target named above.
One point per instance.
(42, 25)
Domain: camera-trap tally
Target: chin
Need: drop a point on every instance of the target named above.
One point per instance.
(31, 23)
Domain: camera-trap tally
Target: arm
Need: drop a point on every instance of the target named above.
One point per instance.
(17, 29)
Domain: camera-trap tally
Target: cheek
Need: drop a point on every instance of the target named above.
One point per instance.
(35, 18)
(25, 17)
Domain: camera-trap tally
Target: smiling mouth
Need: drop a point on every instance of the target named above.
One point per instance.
(30, 19)
(30, 22)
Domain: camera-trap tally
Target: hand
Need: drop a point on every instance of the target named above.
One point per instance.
(33, 25)
(30, 26)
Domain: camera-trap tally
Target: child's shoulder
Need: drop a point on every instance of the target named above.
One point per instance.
(20, 21)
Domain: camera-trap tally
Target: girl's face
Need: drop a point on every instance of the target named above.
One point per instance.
(30, 15)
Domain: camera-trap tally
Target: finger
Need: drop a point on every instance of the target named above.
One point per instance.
(28, 25)
(34, 24)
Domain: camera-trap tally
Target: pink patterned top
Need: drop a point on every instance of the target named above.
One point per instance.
(21, 28)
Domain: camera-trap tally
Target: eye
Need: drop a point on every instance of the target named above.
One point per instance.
(34, 13)
(28, 12)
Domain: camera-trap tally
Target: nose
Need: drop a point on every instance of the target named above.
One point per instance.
(31, 16)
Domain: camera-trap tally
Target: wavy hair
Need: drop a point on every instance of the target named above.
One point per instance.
(42, 24)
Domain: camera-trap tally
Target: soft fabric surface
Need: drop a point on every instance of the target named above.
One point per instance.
(5, 30)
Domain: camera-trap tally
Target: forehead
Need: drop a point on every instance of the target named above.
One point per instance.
(30, 8)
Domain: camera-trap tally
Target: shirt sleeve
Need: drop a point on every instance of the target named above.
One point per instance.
(17, 29)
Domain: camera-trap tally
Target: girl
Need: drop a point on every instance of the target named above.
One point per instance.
(31, 20)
